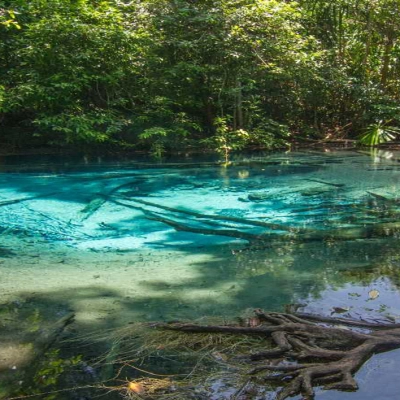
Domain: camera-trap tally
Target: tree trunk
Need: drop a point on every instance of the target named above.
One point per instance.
(386, 59)
(239, 106)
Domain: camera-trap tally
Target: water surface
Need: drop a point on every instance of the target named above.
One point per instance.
(104, 238)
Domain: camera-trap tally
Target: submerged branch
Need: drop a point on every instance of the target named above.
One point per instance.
(204, 231)
(338, 185)
(242, 221)
(275, 231)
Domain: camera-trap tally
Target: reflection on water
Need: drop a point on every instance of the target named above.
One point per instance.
(131, 240)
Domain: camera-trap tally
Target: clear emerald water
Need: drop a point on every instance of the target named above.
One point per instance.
(83, 238)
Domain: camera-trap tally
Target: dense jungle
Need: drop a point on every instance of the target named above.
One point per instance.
(225, 75)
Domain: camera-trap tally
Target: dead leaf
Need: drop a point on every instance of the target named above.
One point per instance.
(373, 294)
(135, 387)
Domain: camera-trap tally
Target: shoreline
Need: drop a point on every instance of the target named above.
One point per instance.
(340, 144)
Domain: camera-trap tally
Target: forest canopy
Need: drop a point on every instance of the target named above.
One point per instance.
(223, 74)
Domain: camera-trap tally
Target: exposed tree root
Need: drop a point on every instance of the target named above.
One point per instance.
(324, 354)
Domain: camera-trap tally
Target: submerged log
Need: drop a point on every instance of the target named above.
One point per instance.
(393, 200)
(325, 355)
(204, 231)
(96, 203)
(199, 215)
(275, 231)
(338, 185)
(22, 199)
(372, 231)
(93, 206)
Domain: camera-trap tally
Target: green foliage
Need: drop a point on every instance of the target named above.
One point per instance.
(2, 96)
(8, 19)
(225, 140)
(48, 375)
(231, 73)
(160, 139)
(96, 126)
(269, 135)
(379, 133)
(156, 138)
(72, 63)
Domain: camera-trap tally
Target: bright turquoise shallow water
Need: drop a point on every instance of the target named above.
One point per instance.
(98, 236)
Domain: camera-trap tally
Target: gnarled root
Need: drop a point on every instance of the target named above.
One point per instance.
(320, 354)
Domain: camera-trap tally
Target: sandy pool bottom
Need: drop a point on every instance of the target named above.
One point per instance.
(107, 288)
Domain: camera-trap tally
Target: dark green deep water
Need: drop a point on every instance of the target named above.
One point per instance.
(98, 236)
